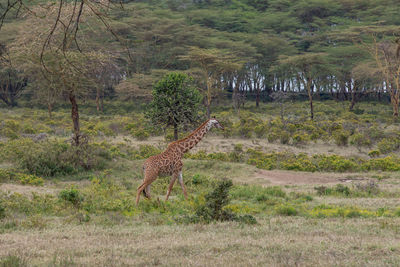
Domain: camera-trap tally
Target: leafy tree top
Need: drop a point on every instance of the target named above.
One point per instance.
(175, 101)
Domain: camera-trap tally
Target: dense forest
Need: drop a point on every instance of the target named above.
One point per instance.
(237, 49)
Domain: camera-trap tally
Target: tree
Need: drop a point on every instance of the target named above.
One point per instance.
(213, 63)
(72, 70)
(387, 57)
(175, 102)
(12, 82)
(307, 68)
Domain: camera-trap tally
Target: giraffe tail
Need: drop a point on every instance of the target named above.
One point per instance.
(144, 190)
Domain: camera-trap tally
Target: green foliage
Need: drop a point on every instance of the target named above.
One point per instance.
(72, 195)
(141, 134)
(341, 137)
(374, 153)
(175, 101)
(49, 158)
(360, 140)
(214, 207)
(359, 190)
(2, 211)
(299, 139)
(31, 180)
(286, 210)
(387, 145)
(144, 152)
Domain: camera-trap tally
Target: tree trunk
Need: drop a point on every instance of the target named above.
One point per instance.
(50, 109)
(395, 104)
(208, 110)
(257, 95)
(98, 99)
(310, 97)
(75, 117)
(175, 131)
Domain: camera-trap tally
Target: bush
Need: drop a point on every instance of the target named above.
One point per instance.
(339, 189)
(141, 134)
(144, 152)
(387, 145)
(2, 211)
(374, 153)
(284, 138)
(286, 210)
(53, 157)
(71, 195)
(31, 180)
(341, 137)
(213, 208)
(261, 130)
(299, 139)
(359, 140)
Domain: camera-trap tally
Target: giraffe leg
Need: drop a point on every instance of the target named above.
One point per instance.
(149, 178)
(146, 191)
(171, 184)
(180, 179)
(139, 191)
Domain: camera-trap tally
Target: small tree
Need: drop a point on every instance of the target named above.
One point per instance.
(175, 102)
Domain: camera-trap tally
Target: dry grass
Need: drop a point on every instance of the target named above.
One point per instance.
(278, 241)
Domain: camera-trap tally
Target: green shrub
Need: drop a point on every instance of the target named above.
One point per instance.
(53, 157)
(31, 180)
(214, 207)
(341, 137)
(284, 138)
(261, 130)
(2, 211)
(382, 164)
(359, 140)
(374, 153)
(387, 145)
(286, 210)
(375, 132)
(299, 139)
(71, 195)
(273, 135)
(339, 189)
(141, 134)
(144, 152)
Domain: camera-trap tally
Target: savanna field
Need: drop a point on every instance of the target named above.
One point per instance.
(306, 171)
(322, 192)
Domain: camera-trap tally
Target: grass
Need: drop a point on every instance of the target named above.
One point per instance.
(278, 241)
(89, 217)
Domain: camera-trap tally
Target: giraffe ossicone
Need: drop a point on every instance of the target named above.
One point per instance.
(169, 162)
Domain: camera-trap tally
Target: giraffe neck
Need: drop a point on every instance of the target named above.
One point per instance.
(190, 141)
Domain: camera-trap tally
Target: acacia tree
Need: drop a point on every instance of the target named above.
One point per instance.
(387, 58)
(307, 68)
(175, 102)
(71, 70)
(12, 82)
(212, 63)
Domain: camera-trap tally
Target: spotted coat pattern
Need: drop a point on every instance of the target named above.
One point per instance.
(169, 162)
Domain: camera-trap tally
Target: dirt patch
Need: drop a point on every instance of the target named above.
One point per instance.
(27, 189)
(288, 177)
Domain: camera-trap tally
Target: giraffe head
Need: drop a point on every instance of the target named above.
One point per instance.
(213, 122)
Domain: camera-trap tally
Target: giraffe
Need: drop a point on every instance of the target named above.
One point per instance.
(169, 162)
